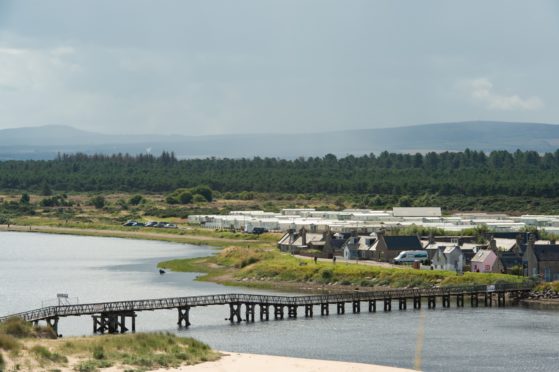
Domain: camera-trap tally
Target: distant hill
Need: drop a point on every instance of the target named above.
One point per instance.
(46, 141)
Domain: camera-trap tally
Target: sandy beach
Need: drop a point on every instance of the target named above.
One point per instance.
(233, 362)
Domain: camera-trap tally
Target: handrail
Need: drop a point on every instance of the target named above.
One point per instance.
(233, 298)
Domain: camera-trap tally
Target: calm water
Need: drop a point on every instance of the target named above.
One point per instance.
(34, 267)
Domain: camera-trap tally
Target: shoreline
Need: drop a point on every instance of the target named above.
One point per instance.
(270, 363)
(185, 238)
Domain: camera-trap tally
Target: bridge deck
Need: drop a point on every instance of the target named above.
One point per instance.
(235, 298)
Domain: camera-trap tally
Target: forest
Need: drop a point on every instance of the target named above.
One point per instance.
(467, 173)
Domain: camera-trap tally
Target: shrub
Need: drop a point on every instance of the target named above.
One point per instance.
(8, 343)
(185, 197)
(45, 354)
(136, 200)
(98, 352)
(16, 327)
(327, 275)
(98, 201)
(24, 198)
(171, 199)
(199, 199)
(205, 191)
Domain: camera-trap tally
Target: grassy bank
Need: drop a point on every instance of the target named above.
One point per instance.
(24, 348)
(183, 235)
(268, 268)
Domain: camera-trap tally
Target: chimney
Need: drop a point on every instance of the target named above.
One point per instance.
(303, 236)
(493, 244)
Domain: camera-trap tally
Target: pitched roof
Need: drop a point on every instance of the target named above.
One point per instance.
(547, 252)
(403, 243)
(505, 244)
(482, 255)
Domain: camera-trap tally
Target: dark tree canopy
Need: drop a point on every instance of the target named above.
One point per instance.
(469, 173)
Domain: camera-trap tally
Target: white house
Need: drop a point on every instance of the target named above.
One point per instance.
(448, 258)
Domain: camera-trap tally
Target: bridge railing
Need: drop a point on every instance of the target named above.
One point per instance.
(222, 299)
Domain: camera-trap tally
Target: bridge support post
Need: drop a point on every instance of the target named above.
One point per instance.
(501, 299)
(387, 304)
(278, 312)
(356, 307)
(417, 302)
(474, 300)
(308, 311)
(431, 302)
(114, 322)
(324, 309)
(249, 312)
(446, 300)
(264, 312)
(488, 299)
(53, 323)
(292, 311)
(402, 304)
(235, 312)
(341, 307)
(184, 315)
(372, 306)
(460, 300)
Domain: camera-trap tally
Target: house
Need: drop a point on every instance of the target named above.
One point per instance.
(355, 247)
(294, 242)
(542, 260)
(486, 261)
(327, 243)
(448, 258)
(467, 245)
(509, 252)
(381, 247)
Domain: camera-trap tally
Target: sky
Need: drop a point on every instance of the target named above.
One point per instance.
(275, 66)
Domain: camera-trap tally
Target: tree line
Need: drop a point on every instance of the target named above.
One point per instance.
(469, 173)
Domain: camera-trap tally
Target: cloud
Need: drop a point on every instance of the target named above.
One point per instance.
(482, 91)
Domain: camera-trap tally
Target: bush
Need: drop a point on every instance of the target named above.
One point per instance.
(136, 200)
(98, 352)
(199, 199)
(8, 343)
(171, 199)
(24, 198)
(185, 197)
(45, 354)
(205, 191)
(17, 327)
(98, 201)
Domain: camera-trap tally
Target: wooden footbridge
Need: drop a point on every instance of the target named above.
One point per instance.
(110, 317)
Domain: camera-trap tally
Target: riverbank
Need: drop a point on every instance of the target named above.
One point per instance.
(252, 261)
(184, 236)
(271, 269)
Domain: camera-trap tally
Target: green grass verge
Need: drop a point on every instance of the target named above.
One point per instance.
(249, 266)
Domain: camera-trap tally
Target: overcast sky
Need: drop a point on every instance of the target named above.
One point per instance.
(210, 66)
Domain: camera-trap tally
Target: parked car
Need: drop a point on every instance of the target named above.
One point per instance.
(151, 223)
(410, 257)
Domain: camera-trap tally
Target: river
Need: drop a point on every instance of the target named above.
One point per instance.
(35, 267)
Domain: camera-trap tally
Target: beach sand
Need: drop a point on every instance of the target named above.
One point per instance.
(233, 362)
